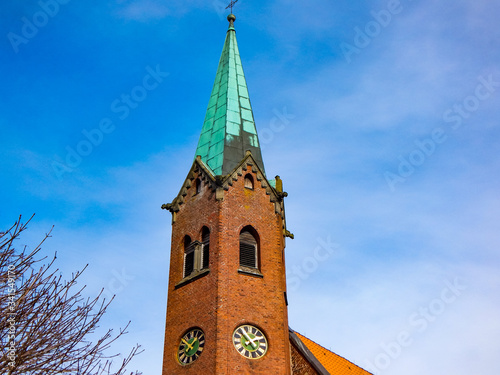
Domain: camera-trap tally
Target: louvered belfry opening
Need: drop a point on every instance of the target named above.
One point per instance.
(248, 248)
(188, 256)
(205, 240)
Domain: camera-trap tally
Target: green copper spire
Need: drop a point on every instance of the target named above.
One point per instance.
(229, 127)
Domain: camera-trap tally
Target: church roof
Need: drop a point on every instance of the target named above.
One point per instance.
(229, 127)
(331, 362)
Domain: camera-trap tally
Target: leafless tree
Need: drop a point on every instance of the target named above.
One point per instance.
(46, 325)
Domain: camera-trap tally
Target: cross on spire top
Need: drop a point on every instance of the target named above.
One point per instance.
(231, 5)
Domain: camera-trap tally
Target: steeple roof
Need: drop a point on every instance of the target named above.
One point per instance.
(229, 127)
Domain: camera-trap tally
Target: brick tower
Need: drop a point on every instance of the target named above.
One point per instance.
(227, 309)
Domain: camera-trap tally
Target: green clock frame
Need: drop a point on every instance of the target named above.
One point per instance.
(250, 341)
(191, 346)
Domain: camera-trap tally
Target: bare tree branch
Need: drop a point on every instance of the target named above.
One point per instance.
(46, 323)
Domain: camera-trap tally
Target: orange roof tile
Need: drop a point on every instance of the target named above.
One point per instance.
(333, 363)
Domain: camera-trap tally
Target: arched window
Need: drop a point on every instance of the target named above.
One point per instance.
(188, 256)
(249, 181)
(205, 242)
(249, 248)
(198, 186)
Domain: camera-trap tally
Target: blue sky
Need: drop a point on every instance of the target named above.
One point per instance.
(381, 117)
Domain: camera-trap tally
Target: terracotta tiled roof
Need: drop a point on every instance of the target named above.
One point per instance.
(333, 363)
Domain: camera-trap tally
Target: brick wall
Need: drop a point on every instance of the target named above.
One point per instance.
(300, 366)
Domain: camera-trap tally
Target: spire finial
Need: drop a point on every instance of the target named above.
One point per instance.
(231, 18)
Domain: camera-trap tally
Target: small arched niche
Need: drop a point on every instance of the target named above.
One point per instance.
(249, 181)
(198, 186)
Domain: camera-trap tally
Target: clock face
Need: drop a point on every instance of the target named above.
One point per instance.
(249, 341)
(191, 346)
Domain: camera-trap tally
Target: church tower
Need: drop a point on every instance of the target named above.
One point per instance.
(227, 307)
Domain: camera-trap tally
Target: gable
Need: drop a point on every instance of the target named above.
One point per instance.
(219, 184)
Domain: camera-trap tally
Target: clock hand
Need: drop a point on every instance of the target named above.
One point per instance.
(190, 346)
(249, 339)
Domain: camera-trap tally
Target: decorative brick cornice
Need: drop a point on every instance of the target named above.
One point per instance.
(219, 184)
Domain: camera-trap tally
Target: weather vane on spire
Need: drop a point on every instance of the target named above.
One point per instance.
(231, 5)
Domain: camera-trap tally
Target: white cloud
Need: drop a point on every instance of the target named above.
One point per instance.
(144, 10)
